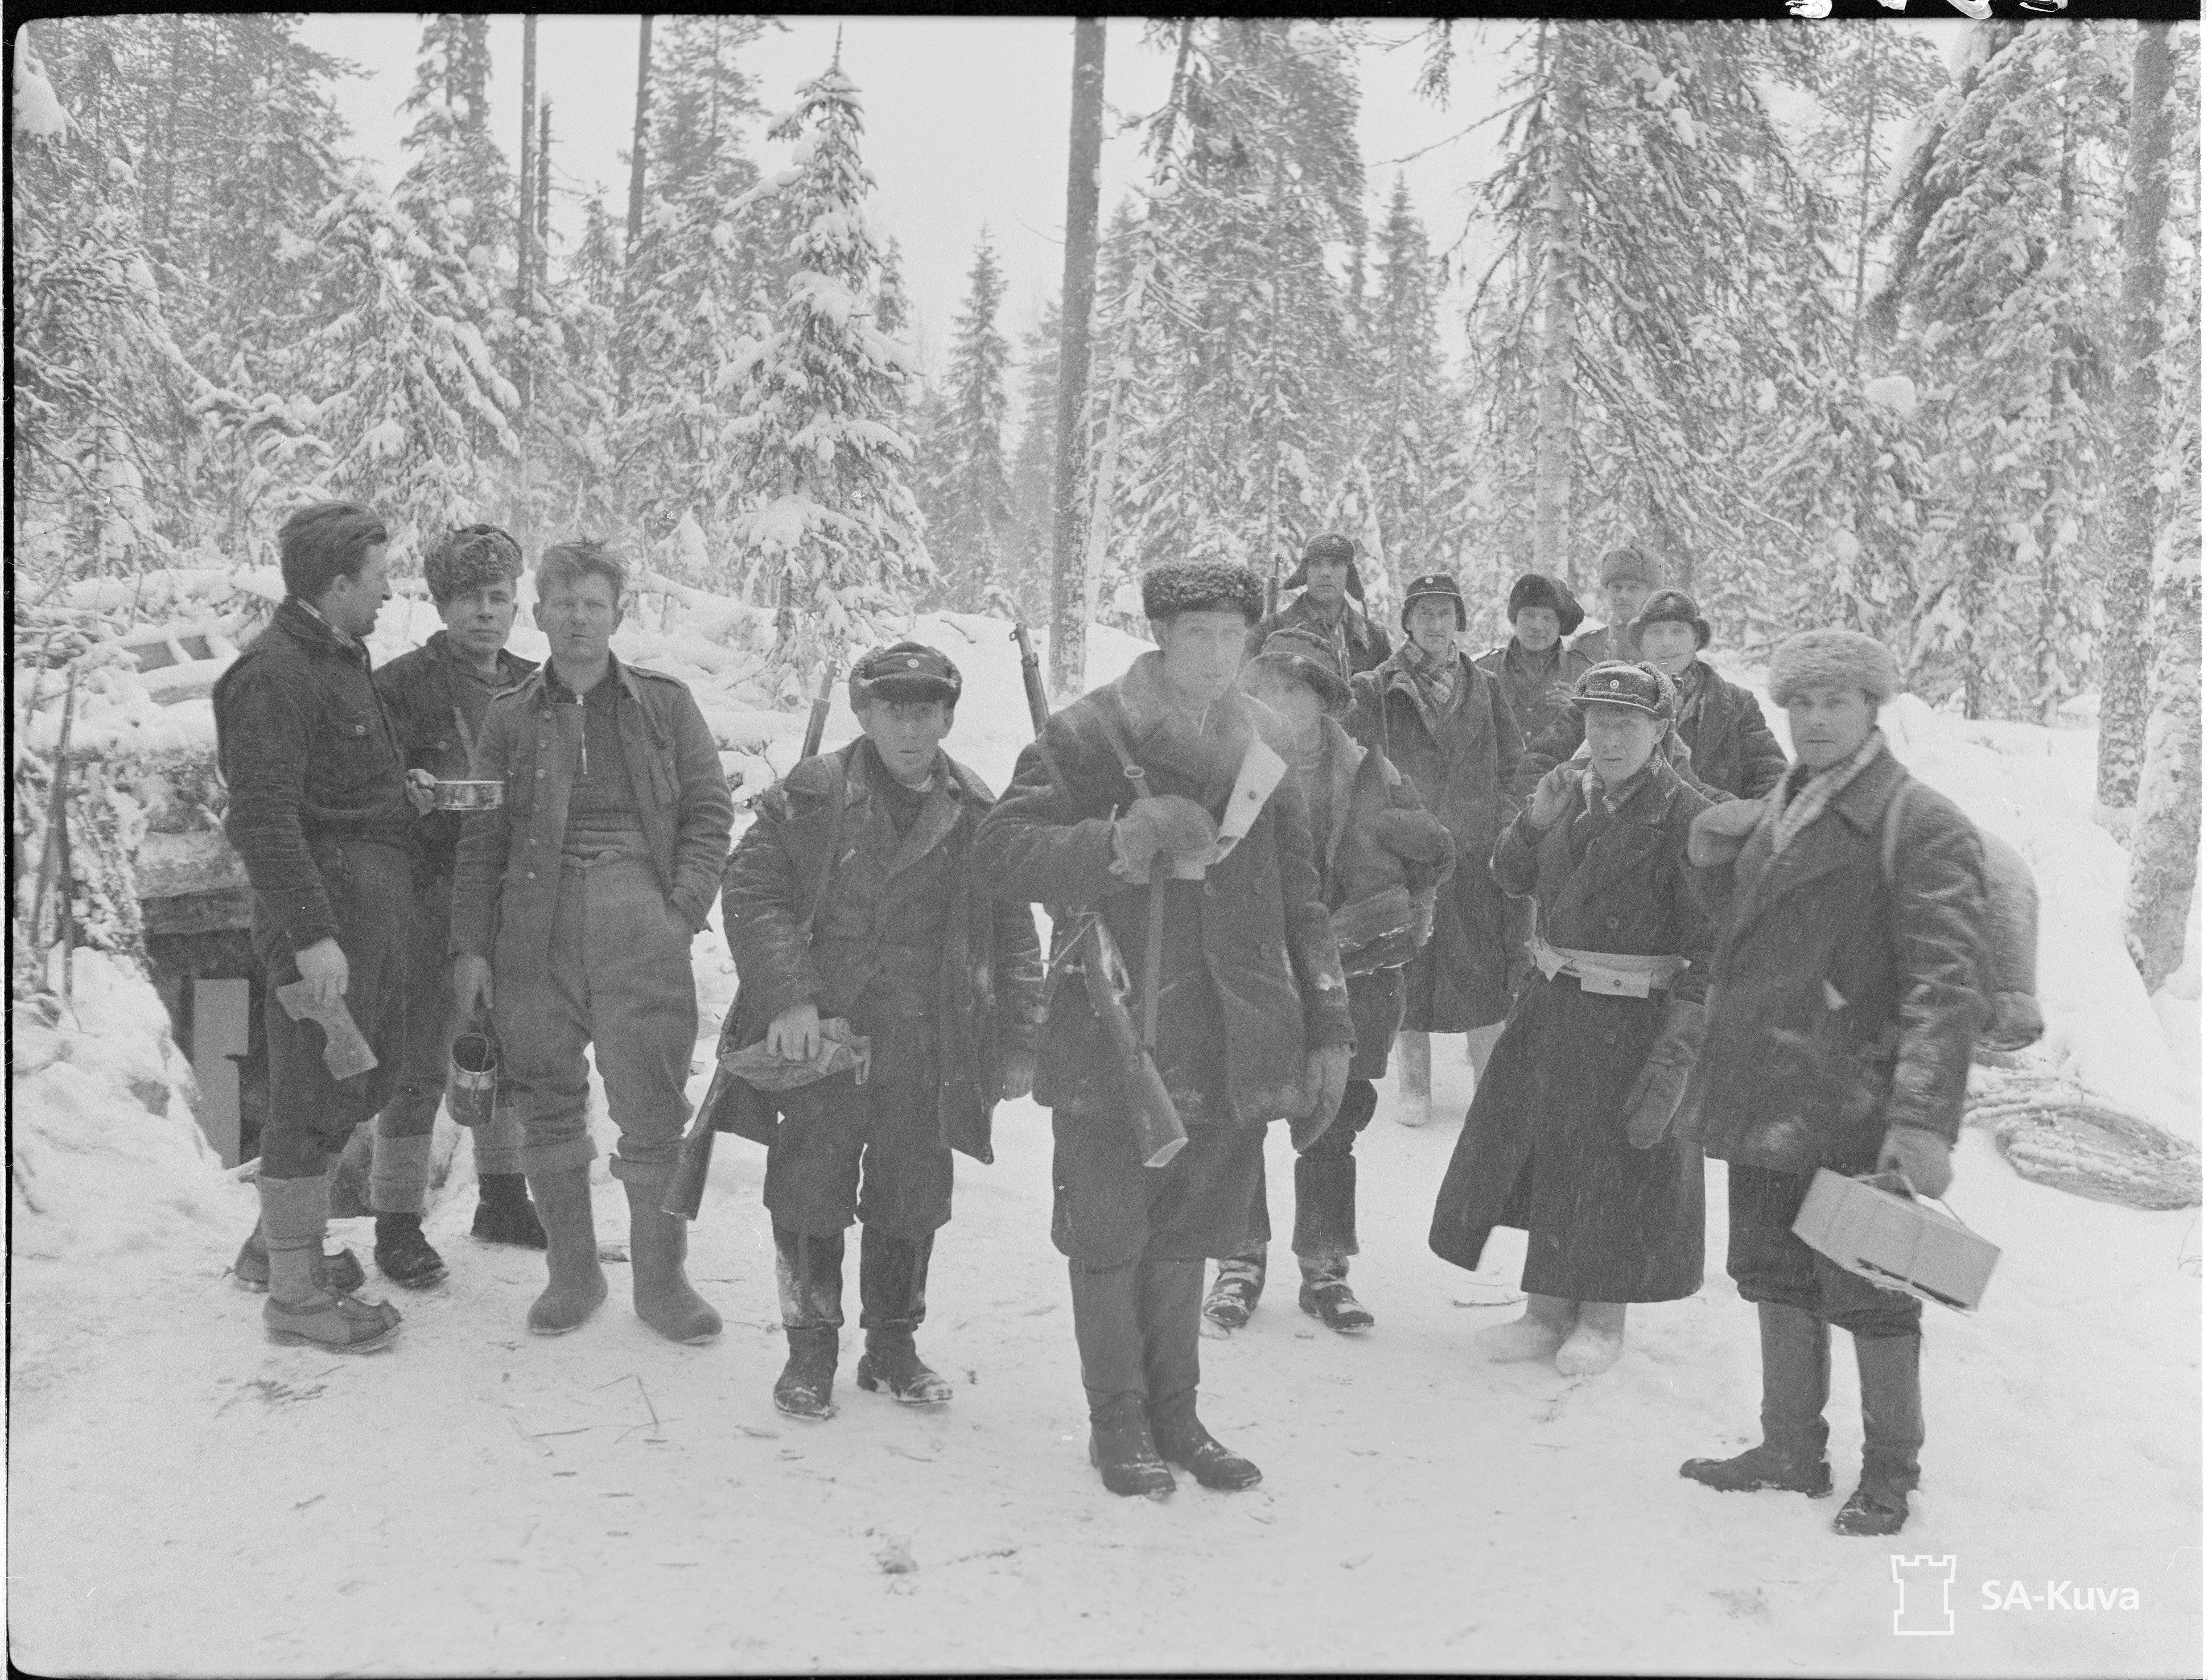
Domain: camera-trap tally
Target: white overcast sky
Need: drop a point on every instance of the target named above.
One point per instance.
(967, 123)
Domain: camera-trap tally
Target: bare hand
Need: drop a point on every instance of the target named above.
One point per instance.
(323, 966)
(796, 1034)
(421, 791)
(472, 985)
(1327, 1070)
(1555, 795)
(1017, 1074)
(1560, 694)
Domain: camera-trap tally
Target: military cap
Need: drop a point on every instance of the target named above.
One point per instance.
(1642, 687)
(1431, 583)
(904, 673)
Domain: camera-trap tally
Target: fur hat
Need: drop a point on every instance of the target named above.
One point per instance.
(1535, 589)
(1303, 657)
(903, 674)
(1831, 659)
(1642, 687)
(1431, 583)
(1331, 550)
(470, 558)
(1668, 606)
(1628, 561)
(1196, 586)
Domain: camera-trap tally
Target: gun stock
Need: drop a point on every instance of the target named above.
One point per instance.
(688, 1183)
(1151, 1111)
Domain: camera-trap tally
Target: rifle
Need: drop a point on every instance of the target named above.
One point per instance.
(819, 718)
(1151, 1111)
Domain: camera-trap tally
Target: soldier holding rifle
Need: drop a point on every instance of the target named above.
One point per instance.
(1160, 802)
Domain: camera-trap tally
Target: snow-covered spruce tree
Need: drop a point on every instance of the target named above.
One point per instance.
(1030, 479)
(967, 500)
(1662, 303)
(1409, 429)
(817, 438)
(453, 162)
(701, 281)
(2001, 292)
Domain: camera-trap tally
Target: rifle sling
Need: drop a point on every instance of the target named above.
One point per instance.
(829, 846)
(1155, 907)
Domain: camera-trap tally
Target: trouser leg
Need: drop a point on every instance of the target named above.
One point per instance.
(643, 1010)
(399, 1173)
(540, 1013)
(1793, 1358)
(894, 1279)
(1328, 1179)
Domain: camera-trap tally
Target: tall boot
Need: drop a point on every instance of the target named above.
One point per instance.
(1889, 1407)
(894, 1286)
(1167, 1303)
(575, 1283)
(301, 1308)
(1792, 1452)
(1109, 1339)
(1413, 1079)
(1325, 1234)
(810, 1288)
(1594, 1343)
(660, 1292)
(1544, 1323)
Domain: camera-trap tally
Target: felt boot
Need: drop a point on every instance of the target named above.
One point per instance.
(1889, 1407)
(1109, 1339)
(809, 1285)
(1168, 1306)
(574, 1284)
(1324, 1294)
(1791, 1456)
(504, 1214)
(1413, 1079)
(661, 1292)
(1536, 1334)
(894, 1288)
(1594, 1343)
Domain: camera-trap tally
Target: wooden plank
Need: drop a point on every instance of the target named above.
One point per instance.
(220, 1030)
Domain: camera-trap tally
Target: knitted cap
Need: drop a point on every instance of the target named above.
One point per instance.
(1831, 659)
(1431, 583)
(1629, 562)
(1331, 549)
(471, 558)
(1637, 688)
(1203, 585)
(1535, 589)
(903, 674)
(1673, 606)
(1305, 658)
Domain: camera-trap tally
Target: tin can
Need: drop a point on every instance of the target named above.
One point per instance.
(473, 1078)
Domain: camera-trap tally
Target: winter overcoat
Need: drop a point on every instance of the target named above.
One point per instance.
(509, 865)
(1464, 976)
(309, 753)
(1546, 1144)
(1249, 980)
(1731, 753)
(438, 703)
(1527, 682)
(1366, 643)
(903, 915)
(1349, 787)
(1841, 1006)
(1600, 642)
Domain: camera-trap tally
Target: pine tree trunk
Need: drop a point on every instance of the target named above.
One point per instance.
(2170, 792)
(526, 210)
(1556, 351)
(2124, 700)
(638, 128)
(1078, 285)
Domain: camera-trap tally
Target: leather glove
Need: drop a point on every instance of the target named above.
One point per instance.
(1017, 1074)
(1414, 836)
(1327, 1070)
(1167, 823)
(1922, 1157)
(1657, 1091)
(1718, 833)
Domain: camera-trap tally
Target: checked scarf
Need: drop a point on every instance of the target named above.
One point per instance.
(1791, 817)
(1438, 683)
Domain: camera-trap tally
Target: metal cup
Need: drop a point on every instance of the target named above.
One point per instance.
(473, 1078)
(471, 795)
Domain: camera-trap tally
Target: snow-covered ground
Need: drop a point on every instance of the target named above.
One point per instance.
(188, 1498)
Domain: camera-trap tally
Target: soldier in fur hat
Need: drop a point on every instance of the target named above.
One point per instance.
(1627, 575)
(1327, 571)
(1382, 858)
(1536, 667)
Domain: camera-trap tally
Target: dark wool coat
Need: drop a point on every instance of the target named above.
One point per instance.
(1249, 980)
(904, 913)
(1841, 1007)
(438, 704)
(1350, 787)
(1464, 976)
(1600, 642)
(1366, 643)
(1546, 1143)
(509, 865)
(308, 752)
(1527, 682)
(1732, 754)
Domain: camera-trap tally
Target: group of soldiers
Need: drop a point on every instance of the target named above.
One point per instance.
(1664, 938)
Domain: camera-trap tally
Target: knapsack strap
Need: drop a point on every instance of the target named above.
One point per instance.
(829, 865)
(1892, 824)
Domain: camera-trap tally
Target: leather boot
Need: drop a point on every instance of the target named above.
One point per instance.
(1237, 1282)
(1324, 1293)
(575, 1283)
(1167, 1303)
(1889, 1406)
(404, 1254)
(301, 1308)
(1109, 1340)
(894, 1288)
(1413, 1079)
(660, 1292)
(1791, 1456)
(1543, 1325)
(810, 1286)
(1594, 1343)
(503, 1212)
